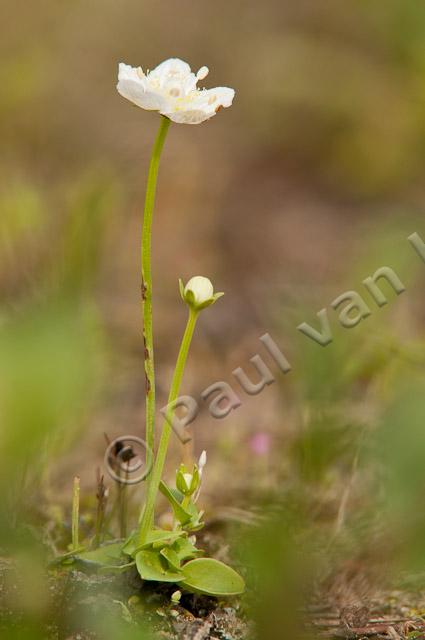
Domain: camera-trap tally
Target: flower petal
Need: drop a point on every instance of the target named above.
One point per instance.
(218, 97)
(172, 66)
(189, 116)
(134, 88)
(145, 99)
(127, 72)
(211, 100)
(202, 106)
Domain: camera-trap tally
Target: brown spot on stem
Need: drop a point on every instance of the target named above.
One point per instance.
(145, 347)
(143, 289)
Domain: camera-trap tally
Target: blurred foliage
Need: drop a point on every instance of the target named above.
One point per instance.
(51, 340)
(400, 446)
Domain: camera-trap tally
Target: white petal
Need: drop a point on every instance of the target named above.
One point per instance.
(223, 96)
(201, 287)
(191, 116)
(202, 105)
(172, 66)
(202, 460)
(135, 92)
(126, 72)
(188, 479)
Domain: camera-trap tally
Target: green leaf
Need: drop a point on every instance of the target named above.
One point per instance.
(116, 569)
(152, 566)
(157, 539)
(195, 515)
(130, 545)
(189, 517)
(209, 576)
(195, 521)
(180, 513)
(186, 550)
(109, 555)
(66, 558)
(171, 557)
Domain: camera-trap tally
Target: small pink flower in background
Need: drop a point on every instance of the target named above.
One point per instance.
(260, 443)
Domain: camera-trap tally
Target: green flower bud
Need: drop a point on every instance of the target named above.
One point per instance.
(199, 293)
(187, 483)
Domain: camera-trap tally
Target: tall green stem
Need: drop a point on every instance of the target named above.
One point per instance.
(147, 283)
(148, 513)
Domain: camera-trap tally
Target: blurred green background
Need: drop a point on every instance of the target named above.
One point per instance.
(308, 184)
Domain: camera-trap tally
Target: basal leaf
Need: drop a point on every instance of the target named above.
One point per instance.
(130, 545)
(109, 555)
(152, 566)
(211, 577)
(66, 558)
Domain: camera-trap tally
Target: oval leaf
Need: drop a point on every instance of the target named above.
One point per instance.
(151, 566)
(106, 556)
(214, 578)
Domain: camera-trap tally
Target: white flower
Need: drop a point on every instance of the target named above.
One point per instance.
(199, 292)
(171, 89)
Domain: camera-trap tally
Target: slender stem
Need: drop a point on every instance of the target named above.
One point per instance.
(101, 497)
(123, 504)
(147, 517)
(147, 284)
(75, 512)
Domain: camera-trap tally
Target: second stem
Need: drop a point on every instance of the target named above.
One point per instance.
(148, 513)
